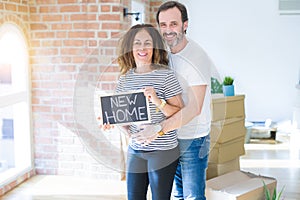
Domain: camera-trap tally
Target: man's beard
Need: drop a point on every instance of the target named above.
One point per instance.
(178, 38)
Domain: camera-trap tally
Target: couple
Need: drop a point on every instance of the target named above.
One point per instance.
(172, 153)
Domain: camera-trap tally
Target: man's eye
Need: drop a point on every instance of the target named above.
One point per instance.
(174, 24)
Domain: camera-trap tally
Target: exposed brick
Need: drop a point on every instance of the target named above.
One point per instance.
(41, 109)
(81, 34)
(38, 26)
(48, 2)
(83, 17)
(22, 8)
(43, 140)
(49, 9)
(79, 59)
(109, 1)
(66, 1)
(110, 17)
(15, 1)
(111, 26)
(52, 18)
(43, 35)
(60, 26)
(64, 36)
(72, 9)
(105, 8)
(90, 8)
(61, 35)
(89, 1)
(92, 43)
(10, 7)
(102, 34)
(51, 43)
(117, 9)
(86, 26)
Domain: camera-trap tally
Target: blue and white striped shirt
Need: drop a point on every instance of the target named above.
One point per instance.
(166, 86)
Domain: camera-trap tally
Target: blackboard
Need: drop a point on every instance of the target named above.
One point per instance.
(125, 108)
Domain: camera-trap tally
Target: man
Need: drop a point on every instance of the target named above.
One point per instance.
(193, 68)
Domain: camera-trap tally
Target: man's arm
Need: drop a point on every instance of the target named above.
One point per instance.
(193, 108)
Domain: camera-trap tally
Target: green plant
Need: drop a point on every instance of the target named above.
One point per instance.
(216, 86)
(275, 195)
(228, 80)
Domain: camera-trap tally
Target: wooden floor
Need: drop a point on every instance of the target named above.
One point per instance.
(280, 160)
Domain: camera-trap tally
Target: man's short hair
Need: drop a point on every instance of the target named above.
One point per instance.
(172, 4)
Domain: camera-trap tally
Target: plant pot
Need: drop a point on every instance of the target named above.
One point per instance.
(228, 90)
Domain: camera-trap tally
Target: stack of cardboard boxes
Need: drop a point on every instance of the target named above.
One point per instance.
(228, 132)
(227, 135)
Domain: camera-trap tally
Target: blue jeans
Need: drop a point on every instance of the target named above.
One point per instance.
(190, 177)
(156, 168)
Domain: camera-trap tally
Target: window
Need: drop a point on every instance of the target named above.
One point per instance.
(15, 135)
(289, 7)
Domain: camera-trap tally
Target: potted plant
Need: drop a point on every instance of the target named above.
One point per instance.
(216, 86)
(275, 196)
(228, 87)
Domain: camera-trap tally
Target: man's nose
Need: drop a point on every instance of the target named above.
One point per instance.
(169, 29)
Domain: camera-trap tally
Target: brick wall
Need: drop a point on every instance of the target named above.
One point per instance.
(72, 55)
(73, 51)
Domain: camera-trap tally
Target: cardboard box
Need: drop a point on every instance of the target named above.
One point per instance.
(239, 185)
(215, 170)
(227, 107)
(226, 130)
(224, 152)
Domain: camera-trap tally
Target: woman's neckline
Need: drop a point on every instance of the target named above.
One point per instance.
(146, 72)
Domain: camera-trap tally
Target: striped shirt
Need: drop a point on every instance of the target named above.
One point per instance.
(166, 86)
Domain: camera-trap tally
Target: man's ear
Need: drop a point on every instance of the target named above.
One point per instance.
(185, 25)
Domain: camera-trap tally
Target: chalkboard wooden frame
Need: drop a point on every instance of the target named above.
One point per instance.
(125, 108)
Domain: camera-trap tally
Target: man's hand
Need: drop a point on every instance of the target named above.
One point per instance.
(147, 134)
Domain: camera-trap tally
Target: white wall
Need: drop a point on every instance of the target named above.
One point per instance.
(250, 41)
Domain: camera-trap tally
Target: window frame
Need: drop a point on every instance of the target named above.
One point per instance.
(13, 99)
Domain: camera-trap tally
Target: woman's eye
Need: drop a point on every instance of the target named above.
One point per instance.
(136, 43)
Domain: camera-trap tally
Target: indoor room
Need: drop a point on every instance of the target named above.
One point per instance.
(58, 58)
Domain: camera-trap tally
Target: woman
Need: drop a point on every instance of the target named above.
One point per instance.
(143, 64)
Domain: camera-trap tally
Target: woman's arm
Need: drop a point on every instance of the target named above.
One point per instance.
(173, 105)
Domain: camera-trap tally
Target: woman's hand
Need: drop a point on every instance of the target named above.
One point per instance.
(105, 127)
(150, 94)
(108, 127)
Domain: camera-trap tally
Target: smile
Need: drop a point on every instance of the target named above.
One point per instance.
(142, 54)
(170, 35)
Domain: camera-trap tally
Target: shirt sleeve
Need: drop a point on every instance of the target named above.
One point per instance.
(120, 85)
(172, 86)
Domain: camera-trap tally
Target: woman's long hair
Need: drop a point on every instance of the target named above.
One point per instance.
(126, 60)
